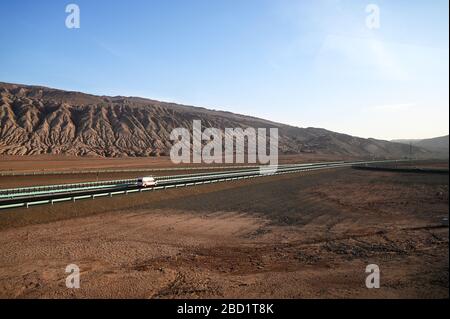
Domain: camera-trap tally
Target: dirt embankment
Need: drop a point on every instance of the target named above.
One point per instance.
(297, 236)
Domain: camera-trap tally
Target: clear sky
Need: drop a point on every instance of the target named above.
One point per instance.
(303, 62)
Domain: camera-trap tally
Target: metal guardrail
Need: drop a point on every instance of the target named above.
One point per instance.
(134, 170)
(106, 171)
(62, 187)
(192, 180)
(5, 193)
(111, 194)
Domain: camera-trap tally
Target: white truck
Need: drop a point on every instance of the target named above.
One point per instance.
(146, 182)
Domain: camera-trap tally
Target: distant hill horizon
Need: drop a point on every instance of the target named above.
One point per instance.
(39, 120)
(438, 145)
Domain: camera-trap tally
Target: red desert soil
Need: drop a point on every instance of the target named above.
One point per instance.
(49, 163)
(73, 163)
(72, 167)
(308, 235)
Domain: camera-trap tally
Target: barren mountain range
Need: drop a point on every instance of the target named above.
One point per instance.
(438, 145)
(40, 120)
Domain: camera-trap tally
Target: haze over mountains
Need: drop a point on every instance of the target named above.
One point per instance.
(38, 120)
(439, 145)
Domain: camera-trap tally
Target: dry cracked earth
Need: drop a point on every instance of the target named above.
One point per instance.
(308, 235)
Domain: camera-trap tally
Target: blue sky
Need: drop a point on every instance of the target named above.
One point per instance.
(304, 62)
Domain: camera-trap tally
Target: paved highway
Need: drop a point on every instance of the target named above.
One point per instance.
(51, 194)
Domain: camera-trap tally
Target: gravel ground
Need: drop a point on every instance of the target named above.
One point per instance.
(308, 235)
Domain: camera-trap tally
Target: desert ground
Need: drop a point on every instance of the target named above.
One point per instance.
(67, 169)
(48, 163)
(304, 235)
